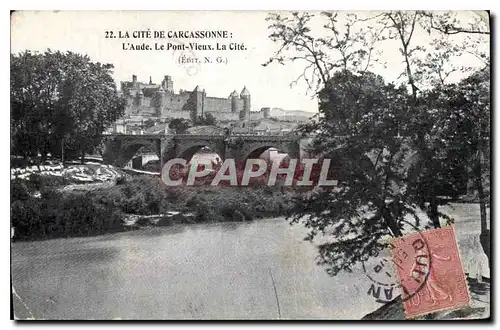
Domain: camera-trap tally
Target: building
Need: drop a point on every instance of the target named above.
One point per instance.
(161, 101)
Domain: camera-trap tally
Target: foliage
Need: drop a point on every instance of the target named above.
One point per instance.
(149, 123)
(206, 120)
(333, 41)
(58, 97)
(360, 130)
(179, 125)
(56, 215)
(19, 190)
(370, 127)
(39, 182)
(145, 195)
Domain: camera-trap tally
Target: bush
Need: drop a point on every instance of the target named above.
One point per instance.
(204, 213)
(56, 215)
(19, 190)
(39, 182)
(26, 217)
(238, 216)
(121, 180)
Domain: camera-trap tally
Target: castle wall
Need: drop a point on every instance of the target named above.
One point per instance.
(254, 115)
(146, 102)
(175, 102)
(225, 116)
(178, 114)
(130, 106)
(216, 104)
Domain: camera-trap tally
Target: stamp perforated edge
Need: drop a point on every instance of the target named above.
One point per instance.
(451, 308)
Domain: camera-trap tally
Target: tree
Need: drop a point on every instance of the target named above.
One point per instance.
(369, 203)
(179, 125)
(476, 93)
(206, 120)
(468, 126)
(34, 81)
(149, 123)
(355, 105)
(347, 46)
(60, 98)
(439, 153)
(449, 23)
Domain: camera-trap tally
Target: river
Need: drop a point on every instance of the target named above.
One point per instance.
(209, 271)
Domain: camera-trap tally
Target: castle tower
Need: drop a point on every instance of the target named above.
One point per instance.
(160, 101)
(196, 103)
(140, 98)
(233, 97)
(168, 84)
(245, 96)
(134, 81)
(266, 112)
(203, 98)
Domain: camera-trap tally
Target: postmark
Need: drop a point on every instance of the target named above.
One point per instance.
(437, 285)
(381, 268)
(383, 283)
(184, 56)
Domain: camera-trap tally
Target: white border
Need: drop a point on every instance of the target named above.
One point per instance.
(189, 5)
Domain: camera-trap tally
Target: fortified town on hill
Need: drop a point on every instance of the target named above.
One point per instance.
(161, 101)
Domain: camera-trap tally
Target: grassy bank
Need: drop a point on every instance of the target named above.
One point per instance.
(54, 214)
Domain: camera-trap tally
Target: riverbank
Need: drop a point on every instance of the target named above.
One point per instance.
(133, 203)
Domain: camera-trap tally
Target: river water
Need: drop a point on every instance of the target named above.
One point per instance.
(257, 270)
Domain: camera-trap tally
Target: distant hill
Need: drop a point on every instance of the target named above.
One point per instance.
(284, 114)
(297, 116)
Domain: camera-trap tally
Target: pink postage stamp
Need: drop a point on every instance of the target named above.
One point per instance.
(430, 272)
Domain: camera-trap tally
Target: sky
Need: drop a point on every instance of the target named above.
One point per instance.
(85, 33)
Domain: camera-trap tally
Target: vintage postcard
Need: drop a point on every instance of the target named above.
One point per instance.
(250, 165)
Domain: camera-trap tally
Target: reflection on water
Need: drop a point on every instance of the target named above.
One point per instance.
(210, 271)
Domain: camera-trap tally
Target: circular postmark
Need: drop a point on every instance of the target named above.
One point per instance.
(403, 265)
(185, 57)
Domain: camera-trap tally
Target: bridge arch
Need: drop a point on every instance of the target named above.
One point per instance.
(256, 150)
(130, 150)
(120, 151)
(189, 152)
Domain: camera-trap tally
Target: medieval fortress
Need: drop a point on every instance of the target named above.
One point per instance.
(162, 102)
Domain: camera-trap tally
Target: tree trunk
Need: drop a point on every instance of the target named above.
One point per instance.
(482, 205)
(82, 156)
(391, 222)
(43, 158)
(484, 237)
(62, 151)
(433, 211)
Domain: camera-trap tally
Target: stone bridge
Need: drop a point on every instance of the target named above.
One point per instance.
(119, 149)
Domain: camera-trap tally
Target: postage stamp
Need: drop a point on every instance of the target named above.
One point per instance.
(432, 280)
